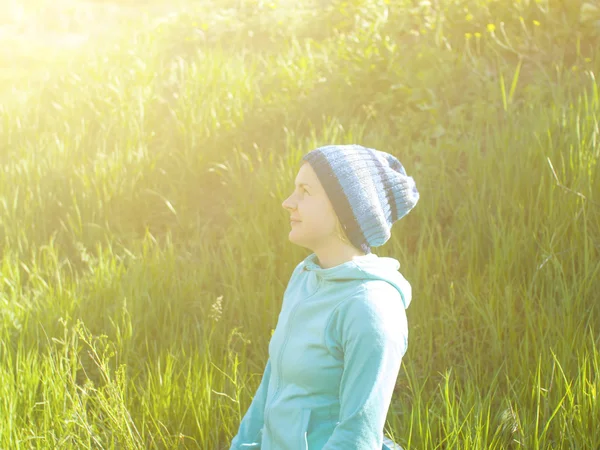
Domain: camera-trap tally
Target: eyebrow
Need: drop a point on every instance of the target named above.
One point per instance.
(303, 184)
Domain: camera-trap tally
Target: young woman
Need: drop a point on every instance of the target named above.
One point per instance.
(335, 354)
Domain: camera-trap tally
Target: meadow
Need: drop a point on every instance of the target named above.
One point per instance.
(144, 249)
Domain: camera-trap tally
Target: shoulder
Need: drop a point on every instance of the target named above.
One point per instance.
(377, 298)
(375, 308)
(380, 289)
(374, 314)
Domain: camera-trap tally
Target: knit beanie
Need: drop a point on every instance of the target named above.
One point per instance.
(368, 188)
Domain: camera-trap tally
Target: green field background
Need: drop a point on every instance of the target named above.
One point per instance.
(145, 150)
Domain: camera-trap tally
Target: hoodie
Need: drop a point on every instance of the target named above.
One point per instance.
(334, 358)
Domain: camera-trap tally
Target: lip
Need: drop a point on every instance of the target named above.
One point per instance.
(292, 221)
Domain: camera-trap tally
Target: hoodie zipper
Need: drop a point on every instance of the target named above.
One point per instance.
(285, 341)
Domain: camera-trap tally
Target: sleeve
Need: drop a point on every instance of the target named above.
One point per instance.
(248, 436)
(373, 337)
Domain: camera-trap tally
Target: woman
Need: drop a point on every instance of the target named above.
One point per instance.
(341, 334)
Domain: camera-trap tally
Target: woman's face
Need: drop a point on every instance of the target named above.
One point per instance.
(313, 220)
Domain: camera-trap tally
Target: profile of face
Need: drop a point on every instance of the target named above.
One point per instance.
(312, 218)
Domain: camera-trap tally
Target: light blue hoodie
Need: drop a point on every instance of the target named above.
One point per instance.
(333, 359)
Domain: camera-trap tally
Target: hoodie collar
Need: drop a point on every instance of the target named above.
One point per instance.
(363, 267)
(339, 271)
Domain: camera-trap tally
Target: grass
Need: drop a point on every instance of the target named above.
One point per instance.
(144, 250)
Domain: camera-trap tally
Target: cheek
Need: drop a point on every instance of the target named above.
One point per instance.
(320, 217)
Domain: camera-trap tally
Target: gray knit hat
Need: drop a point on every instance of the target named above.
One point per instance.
(368, 188)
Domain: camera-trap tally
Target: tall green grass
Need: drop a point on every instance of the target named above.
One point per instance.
(144, 248)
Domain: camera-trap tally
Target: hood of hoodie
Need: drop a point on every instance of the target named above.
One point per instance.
(364, 267)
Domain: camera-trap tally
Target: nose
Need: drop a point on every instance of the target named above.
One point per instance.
(287, 204)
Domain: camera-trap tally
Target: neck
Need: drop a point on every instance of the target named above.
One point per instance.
(336, 254)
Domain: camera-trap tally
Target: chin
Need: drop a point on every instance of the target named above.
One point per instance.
(294, 240)
(291, 237)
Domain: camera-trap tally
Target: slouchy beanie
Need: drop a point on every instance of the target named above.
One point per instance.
(368, 188)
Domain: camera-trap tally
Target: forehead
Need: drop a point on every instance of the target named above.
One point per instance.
(306, 174)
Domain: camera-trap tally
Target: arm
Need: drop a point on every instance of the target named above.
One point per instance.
(373, 336)
(248, 436)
